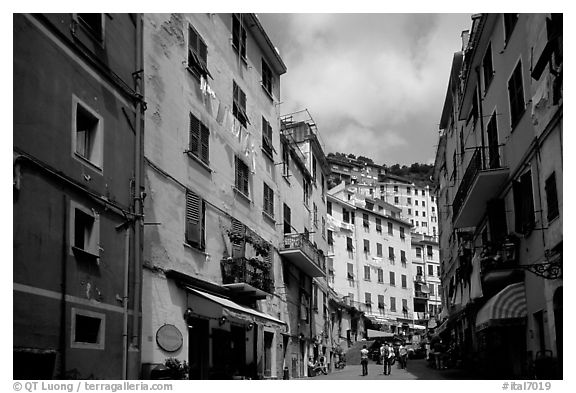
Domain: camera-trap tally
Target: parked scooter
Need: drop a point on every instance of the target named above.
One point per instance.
(341, 363)
(316, 368)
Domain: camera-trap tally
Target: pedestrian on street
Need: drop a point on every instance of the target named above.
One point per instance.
(403, 352)
(364, 360)
(387, 356)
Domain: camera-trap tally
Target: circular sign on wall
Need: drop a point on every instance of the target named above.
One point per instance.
(169, 338)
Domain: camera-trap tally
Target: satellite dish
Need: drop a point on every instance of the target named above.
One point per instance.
(424, 288)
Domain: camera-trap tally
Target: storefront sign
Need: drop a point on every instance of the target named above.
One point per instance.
(169, 338)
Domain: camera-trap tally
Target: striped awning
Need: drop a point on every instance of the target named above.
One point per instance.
(508, 307)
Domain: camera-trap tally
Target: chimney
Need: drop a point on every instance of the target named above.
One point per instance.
(465, 38)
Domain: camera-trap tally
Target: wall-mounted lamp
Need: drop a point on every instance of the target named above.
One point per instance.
(222, 320)
(249, 326)
(188, 313)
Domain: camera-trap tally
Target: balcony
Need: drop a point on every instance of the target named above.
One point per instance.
(247, 277)
(497, 267)
(483, 178)
(297, 249)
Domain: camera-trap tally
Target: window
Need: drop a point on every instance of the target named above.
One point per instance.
(378, 225)
(432, 199)
(379, 250)
(417, 223)
(306, 196)
(395, 189)
(315, 214)
(267, 138)
(429, 251)
(431, 289)
(396, 200)
(423, 213)
(285, 160)
(433, 209)
(412, 221)
(408, 190)
(409, 201)
(424, 224)
(423, 203)
(368, 299)
(93, 24)
(367, 246)
(268, 200)
(367, 273)
(380, 275)
(418, 252)
(350, 271)
(430, 270)
(423, 193)
(381, 301)
(365, 220)
(417, 213)
(523, 204)
(323, 227)
(267, 78)
(509, 24)
(409, 211)
(392, 279)
(239, 104)
(197, 54)
(239, 35)
(391, 253)
(487, 70)
(402, 234)
(199, 140)
(390, 229)
(87, 134)
(314, 170)
(349, 246)
(242, 176)
(392, 303)
(419, 271)
(314, 297)
(351, 297)
(438, 271)
(403, 256)
(88, 329)
(329, 207)
(345, 215)
(416, 202)
(195, 220)
(330, 238)
(403, 278)
(85, 231)
(287, 225)
(551, 197)
(516, 95)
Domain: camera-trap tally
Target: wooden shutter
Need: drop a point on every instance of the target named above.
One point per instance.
(194, 135)
(528, 202)
(287, 224)
(194, 219)
(551, 197)
(202, 52)
(236, 31)
(205, 144)
(192, 39)
(238, 248)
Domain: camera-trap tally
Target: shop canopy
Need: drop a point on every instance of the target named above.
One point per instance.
(507, 307)
(377, 333)
(232, 309)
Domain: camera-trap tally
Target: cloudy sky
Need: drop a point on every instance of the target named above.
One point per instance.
(374, 83)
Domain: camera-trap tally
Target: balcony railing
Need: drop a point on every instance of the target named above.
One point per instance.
(253, 272)
(296, 245)
(483, 159)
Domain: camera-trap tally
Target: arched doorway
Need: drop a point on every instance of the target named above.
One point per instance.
(557, 302)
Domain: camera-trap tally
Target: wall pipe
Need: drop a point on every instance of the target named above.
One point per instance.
(125, 303)
(63, 287)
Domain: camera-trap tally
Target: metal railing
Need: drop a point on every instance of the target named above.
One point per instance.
(483, 158)
(300, 242)
(250, 271)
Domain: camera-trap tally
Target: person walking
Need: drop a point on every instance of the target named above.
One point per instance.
(364, 360)
(403, 352)
(387, 356)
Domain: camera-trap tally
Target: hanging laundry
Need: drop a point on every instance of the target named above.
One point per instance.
(475, 282)
(221, 113)
(253, 152)
(203, 85)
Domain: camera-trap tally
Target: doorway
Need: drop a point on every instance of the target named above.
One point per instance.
(198, 348)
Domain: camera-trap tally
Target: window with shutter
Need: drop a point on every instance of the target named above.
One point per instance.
(197, 54)
(381, 301)
(516, 95)
(391, 253)
(390, 229)
(523, 204)
(366, 272)
(199, 145)
(365, 220)
(267, 79)
(285, 160)
(349, 246)
(487, 70)
(242, 176)
(551, 197)
(239, 35)
(239, 245)
(403, 278)
(392, 303)
(93, 24)
(366, 245)
(392, 279)
(287, 225)
(378, 250)
(509, 24)
(330, 238)
(380, 275)
(268, 200)
(239, 104)
(195, 220)
(350, 271)
(267, 138)
(496, 210)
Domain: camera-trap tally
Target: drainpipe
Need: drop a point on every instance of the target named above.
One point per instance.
(138, 161)
(125, 304)
(63, 287)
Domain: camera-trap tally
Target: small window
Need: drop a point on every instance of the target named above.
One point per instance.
(197, 54)
(392, 279)
(195, 220)
(403, 278)
(552, 197)
(416, 202)
(239, 35)
(418, 252)
(93, 24)
(345, 215)
(423, 203)
(390, 229)
(368, 299)
(287, 224)
(87, 134)
(391, 253)
(349, 246)
(366, 246)
(423, 192)
(239, 104)
(523, 204)
(329, 208)
(242, 176)
(85, 232)
(378, 250)
(267, 138)
(381, 301)
(403, 256)
(268, 200)
(367, 273)
(392, 303)
(516, 95)
(429, 251)
(395, 189)
(365, 220)
(350, 271)
(88, 329)
(306, 192)
(199, 140)
(396, 200)
(267, 78)
(330, 238)
(416, 212)
(409, 201)
(380, 275)
(408, 190)
(487, 69)
(509, 24)
(430, 270)
(424, 224)
(402, 234)
(315, 216)
(432, 291)
(423, 213)
(404, 305)
(378, 225)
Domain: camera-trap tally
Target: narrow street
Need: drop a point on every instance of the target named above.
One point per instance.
(416, 369)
